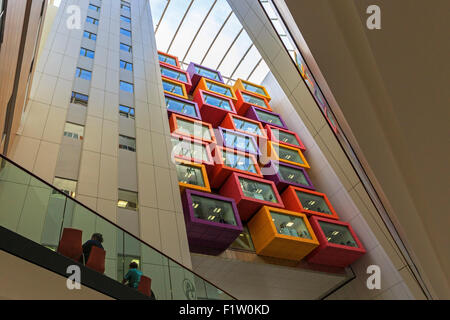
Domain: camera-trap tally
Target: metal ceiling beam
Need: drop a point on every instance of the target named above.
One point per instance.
(162, 16)
(179, 26)
(218, 33)
(198, 31)
(229, 48)
(242, 59)
(253, 70)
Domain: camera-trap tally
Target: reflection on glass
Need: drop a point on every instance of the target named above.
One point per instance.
(189, 149)
(257, 190)
(213, 210)
(292, 175)
(127, 200)
(290, 225)
(254, 100)
(243, 242)
(287, 137)
(181, 107)
(194, 129)
(172, 87)
(173, 74)
(289, 154)
(313, 202)
(247, 126)
(268, 118)
(337, 234)
(207, 73)
(167, 59)
(219, 89)
(253, 88)
(239, 142)
(217, 102)
(238, 161)
(65, 185)
(190, 174)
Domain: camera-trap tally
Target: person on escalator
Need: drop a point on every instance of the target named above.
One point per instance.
(133, 276)
(96, 241)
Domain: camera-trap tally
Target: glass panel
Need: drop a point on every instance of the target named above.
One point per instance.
(74, 131)
(218, 102)
(286, 137)
(337, 234)
(269, 118)
(189, 149)
(65, 185)
(173, 74)
(243, 242)
(253, 88)
(127, 200)
(257, 190)
(194, 129)
(238, 161)
(173, 88)
(289, 154)
(219, 89)
(213, 210)
(239, 142)
(207, 73)
(313, 202)
(190, 174)
(292, 175)
(181, 107)
(254, 100)
(167, 59)
(290, 225)
(247, 126)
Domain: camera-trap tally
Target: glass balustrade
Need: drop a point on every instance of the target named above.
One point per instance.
(40, 212)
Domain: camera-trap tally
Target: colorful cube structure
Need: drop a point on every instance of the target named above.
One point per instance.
(176, 74)
(284, 175)
(212, 221)
(236, 140)
(283, 136)
(282, 234)
(244, 125)
(216, 87)
(265, 117)
(192, 150)
(246, 99)
(286, 154)
(339, 245)
(228, 161)
(191, 128)
(192, 176)
(309, 202)
(168, 59)
(250, 194)
(196, 72)
(175, 88)
(244, 85)
(182, 107)
(213, 107)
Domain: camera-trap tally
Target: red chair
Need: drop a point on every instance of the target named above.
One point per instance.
(70, 243)
(96, 259)
(145, 285)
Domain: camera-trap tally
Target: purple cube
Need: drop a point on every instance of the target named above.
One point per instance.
(212, 221)
(197, 71)
(265, 117)
(182, 107)
(284, 175)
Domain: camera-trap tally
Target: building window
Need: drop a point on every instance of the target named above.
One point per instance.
(95, 8)
(217, 102)
(125, 47)
(257, 190)
(338, 234)
(126, 65)
(87, 53)
(127, 200)
(181, 107)
(219, 89)
(207, 73)
(92, 20)
(166, 59)
(79, 98)
(65, 185)
(177, 75)
(126, 86)
(290, 225)
(173, 87)
(269, 118)
(247, 126)
(254, 100)
(83, 74)
(189, 174)
(238, 161)
(90, 35)
(3, 4)
(125, 32)
(125, 7)
(214, 210)
(126, 112)
(126, 19)
(127, 143)
(73, 131)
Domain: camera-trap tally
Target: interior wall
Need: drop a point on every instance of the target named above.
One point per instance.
(331, 171)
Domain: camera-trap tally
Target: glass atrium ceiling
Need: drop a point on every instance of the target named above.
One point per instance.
(209, 33)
